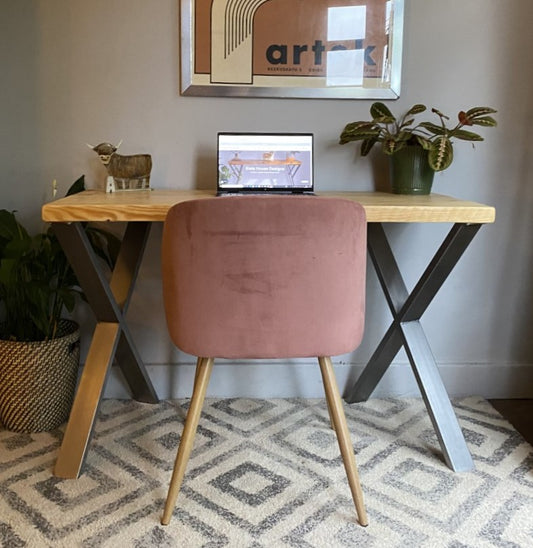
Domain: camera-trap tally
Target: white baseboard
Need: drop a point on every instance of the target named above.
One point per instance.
(302, 379)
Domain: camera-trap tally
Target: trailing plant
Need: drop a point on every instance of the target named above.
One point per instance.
(436, 138)
(36, 281)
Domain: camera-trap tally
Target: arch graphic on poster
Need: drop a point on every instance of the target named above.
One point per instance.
(232, 40)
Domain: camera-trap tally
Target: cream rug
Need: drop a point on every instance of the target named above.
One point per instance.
(267, 473)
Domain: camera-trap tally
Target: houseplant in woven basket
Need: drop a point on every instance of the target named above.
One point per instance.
(416, 151)
(39, 349)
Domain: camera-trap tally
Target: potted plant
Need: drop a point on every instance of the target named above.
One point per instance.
(416, 150)
(39, 349)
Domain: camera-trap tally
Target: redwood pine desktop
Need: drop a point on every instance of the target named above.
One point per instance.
(109, 300)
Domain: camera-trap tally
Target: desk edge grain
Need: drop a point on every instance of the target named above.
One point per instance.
(153, 205)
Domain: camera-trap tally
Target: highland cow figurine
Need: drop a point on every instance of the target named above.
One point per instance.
(124, 172)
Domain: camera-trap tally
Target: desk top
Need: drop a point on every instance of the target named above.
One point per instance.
(152, 205)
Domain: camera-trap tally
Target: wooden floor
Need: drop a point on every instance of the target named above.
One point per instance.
(519, 413)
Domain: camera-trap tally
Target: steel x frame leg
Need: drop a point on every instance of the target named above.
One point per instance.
(112, 339)
(407, 331)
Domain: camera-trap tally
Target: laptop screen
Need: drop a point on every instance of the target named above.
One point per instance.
(265, 162)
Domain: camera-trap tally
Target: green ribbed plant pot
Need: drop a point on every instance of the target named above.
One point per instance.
(410, 172)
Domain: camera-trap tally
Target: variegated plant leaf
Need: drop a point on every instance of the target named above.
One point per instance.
(416, 109)
(366, 146)
(348, 137)
(480, 111)
(379, 110)
(355, 126)
(440, 154)
(466, 135)
(390, 146)
(487, 121)
(434, 128)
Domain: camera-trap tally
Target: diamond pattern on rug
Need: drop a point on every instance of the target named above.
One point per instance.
(285, 488)
(251, 483)
(246, 417)
(267, 473)
(330, 525)
(423, 482)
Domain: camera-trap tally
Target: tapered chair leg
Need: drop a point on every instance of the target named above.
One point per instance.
(329, 415)
(338, 419)
(203, 372)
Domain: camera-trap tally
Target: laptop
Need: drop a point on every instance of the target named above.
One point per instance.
(270, 163)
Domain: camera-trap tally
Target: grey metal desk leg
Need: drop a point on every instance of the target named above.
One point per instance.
(441, 413)
(406, 331)
(109, 301)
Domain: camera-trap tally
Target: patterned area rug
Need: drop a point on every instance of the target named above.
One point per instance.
(267, 473)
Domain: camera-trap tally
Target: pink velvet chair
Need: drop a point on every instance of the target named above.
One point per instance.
(265, 277)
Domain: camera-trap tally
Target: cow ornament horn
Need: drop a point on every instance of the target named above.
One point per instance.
(124, 172)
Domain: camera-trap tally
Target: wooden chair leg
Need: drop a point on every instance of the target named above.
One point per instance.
(196, 372)
(338, 418)
(329, 415)
(203, 372)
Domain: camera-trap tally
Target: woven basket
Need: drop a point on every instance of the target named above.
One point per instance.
(38, 380)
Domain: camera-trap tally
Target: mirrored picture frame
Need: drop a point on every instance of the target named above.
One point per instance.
(336, 49)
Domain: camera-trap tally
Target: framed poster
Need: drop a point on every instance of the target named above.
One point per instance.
(342, 49)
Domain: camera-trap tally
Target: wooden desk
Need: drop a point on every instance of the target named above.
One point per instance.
(109, 300)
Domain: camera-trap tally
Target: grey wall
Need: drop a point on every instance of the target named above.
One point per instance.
(76, 72)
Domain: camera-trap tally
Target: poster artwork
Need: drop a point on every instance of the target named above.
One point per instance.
(308, 43)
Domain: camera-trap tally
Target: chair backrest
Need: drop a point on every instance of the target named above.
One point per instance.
(265, 276)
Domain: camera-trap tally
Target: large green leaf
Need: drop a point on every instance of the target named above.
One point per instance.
(385, 120)
(466, 135)
(479, 111)
(36, 280)
(104, 243)
(366, 146)
(357, 126)
(487, 121)
(77, 186)
(379, 110)
(358, 136)
(407, 123)
(390, 146)
(10, 228)
(416, 109)
(433, 128)
(440, 154)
